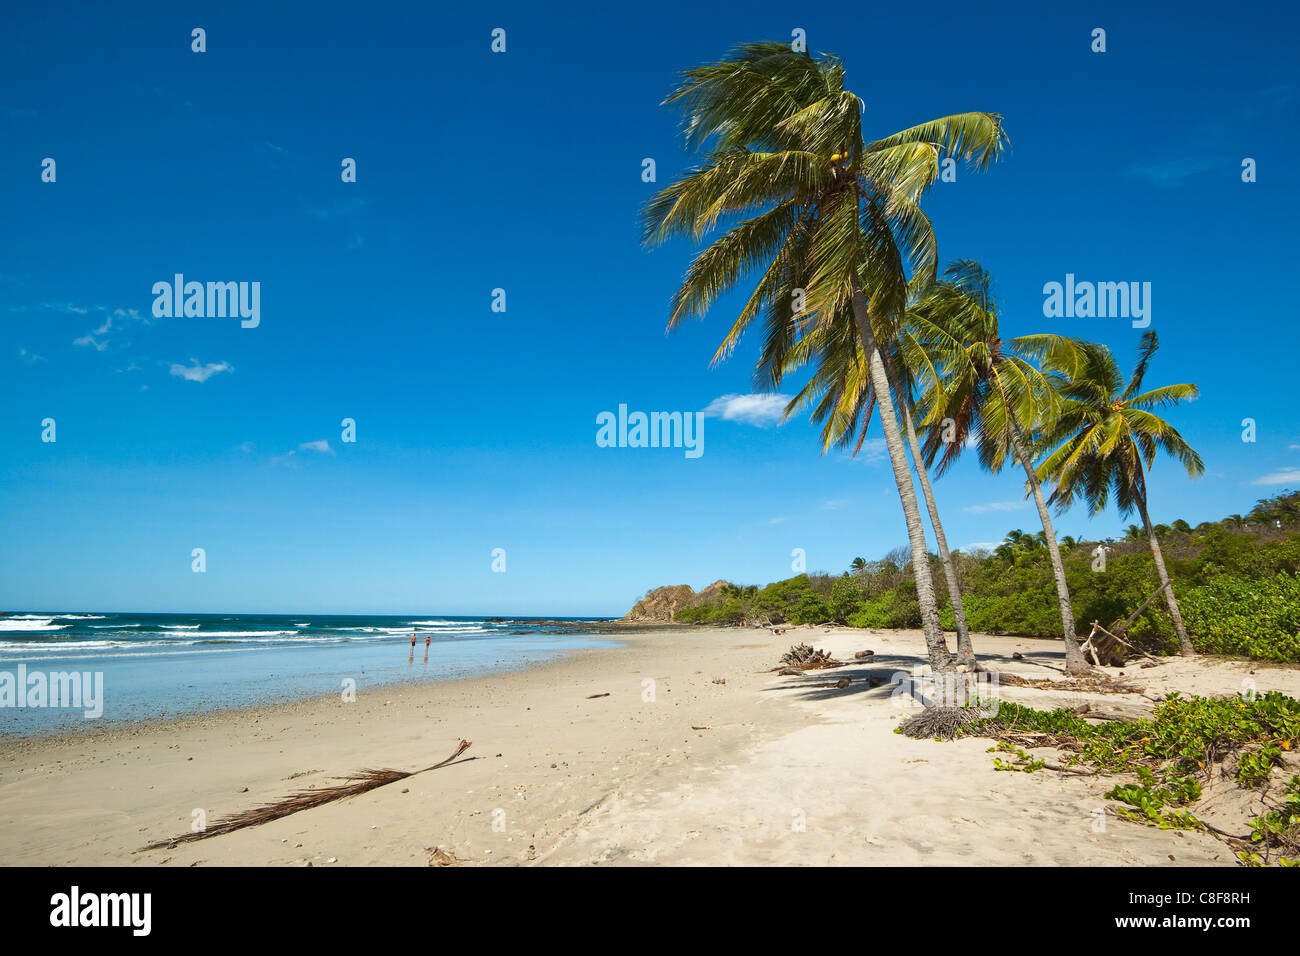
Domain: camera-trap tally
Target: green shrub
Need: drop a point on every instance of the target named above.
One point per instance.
(869, 614)
(1239, 589)
(1259, 619)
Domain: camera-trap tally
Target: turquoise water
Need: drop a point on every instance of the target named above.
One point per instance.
(161, 665)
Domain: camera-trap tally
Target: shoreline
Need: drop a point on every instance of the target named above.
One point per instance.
(572, 765)
(146, 691)
(102, 725)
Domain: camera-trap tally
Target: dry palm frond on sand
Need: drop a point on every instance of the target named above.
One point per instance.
(1091, 685)
(803, 656)
(358, 783)
(941, 722)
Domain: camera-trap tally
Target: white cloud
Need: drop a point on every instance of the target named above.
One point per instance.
(200, 373)
(979, 546)
(89, 337)
(834, 504)
(873, 450)
(1287, 476)
(759, 409)
(994, 506)
(94, 338)
(60, 307)
(290, 459)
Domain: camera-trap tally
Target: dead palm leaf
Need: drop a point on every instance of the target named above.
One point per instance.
(352, 786)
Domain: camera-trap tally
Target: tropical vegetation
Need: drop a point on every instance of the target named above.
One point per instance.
(1238, 584)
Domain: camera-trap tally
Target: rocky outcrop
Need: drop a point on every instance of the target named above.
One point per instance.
(710, 594)
(659, 605)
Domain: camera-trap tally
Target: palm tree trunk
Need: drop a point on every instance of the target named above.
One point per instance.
(936, 646)
(1075, 662)
(1184, 642)
(964, 648)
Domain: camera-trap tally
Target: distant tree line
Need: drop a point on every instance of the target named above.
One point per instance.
(1237, 582)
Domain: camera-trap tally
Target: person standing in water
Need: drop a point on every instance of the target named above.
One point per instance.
(428, 639)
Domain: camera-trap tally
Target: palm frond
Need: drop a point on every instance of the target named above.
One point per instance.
(358, 783)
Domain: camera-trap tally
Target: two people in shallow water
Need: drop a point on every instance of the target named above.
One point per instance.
(428, 639)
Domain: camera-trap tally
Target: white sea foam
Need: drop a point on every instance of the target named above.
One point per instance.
(30, 624)
(23, 647)
(447, 623)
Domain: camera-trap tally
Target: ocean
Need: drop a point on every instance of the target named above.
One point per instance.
(152, 666)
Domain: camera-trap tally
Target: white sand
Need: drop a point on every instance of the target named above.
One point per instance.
(617, 779)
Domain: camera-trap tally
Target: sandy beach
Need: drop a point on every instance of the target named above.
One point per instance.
(698, 754)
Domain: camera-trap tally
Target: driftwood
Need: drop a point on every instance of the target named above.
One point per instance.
(1103, 647)
(804, 657)
(358, 783)
(1089, 646)
(1110, 643)
(1135, 650)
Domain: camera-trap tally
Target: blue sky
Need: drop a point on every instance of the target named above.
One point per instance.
(476, 429)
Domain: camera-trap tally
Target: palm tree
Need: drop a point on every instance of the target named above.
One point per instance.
(858, 564)
(981, 385)
(1019, 541)
(827, 219)
(839, 393)
(1108, 435)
